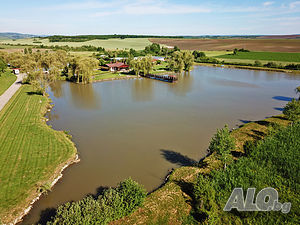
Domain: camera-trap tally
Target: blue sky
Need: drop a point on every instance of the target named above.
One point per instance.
(157, 17)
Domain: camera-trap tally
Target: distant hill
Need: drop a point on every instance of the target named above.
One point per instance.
(293, 36)
(8, 35)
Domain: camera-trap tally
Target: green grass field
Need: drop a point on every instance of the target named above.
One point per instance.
(268, 56)
(135, 43)
(31, 153)
(252, 61)
(102, 75)
(6, 79)
(216, 53)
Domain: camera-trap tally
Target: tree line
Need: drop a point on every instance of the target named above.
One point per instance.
(43, 68)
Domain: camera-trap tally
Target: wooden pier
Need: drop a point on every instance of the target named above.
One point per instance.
(161, 77)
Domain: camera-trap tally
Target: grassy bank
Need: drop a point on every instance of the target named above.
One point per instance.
(267, 56)
(6, 79)
(249, 67)
(174, 203)
(106, 75)
(31, 153)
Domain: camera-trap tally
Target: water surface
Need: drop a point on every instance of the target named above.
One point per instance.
(142, 128)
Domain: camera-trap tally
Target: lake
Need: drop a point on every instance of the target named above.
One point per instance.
(141, 128)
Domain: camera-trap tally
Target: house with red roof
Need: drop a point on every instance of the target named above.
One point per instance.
(118, 66)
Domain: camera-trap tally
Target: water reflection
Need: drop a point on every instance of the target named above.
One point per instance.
(145, 127)
(142, 89)
(57, 89)
(84, 96)
(231, 83)
(183, 85)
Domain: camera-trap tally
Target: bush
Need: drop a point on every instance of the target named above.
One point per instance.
(271, 65)
(273, 162)
(292, 110)
(132, 193)
(222, 141)
(113, 204)
(257, 63)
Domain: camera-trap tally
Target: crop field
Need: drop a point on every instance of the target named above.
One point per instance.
(31, 153)
(252, 61)
(270, 56)
(6, 79)
(135, 43)
(266, 45)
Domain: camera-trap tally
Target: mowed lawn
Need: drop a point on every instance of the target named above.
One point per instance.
(115, 43)
(271, 56)
(31, 153)
(6, 79)
(102, 75)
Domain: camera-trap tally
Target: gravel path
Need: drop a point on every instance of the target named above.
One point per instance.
(4, 98)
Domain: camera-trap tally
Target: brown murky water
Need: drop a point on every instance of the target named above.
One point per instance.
(142, 128)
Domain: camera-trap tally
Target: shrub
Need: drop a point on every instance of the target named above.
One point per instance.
(113, 204)
(222, 141)
(292, 110)
(273, 162)
(271, 65)
(257, 63)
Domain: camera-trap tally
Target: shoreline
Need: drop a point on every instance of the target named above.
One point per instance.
(55, 177)
(127, 77)
(248, 68)
(60, 175)
(59, 172)
(171, 187)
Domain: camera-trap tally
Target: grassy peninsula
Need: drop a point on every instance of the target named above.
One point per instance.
(32, 154)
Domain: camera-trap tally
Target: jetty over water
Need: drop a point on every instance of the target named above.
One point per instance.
(161, 77)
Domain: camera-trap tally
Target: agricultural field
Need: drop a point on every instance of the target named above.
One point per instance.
(32, 154)
(266, 45)
(135, 43)
(6, 79)
(252, 61)
(269, 56)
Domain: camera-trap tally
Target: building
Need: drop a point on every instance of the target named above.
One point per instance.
(118, 66)
(16, 71)
(156, 58)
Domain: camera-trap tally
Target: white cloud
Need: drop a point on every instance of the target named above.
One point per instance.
(80, 5)
(152, 7)
(268, 3)
(294, 4)
(163, 9)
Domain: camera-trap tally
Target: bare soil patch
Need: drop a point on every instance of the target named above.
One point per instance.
(265, 45)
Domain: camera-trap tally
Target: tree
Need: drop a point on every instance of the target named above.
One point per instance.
(136, 65)
(235, 51)
(176, 49)
(198, 54)
(147, 64)
(176, 63)
(298, 91)
(292, 110)
(188, 60)
(181, 61)
(2, 65)
(82, 68)
(133, 52)
(223, 143)
(155, 48)
(257, 63)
